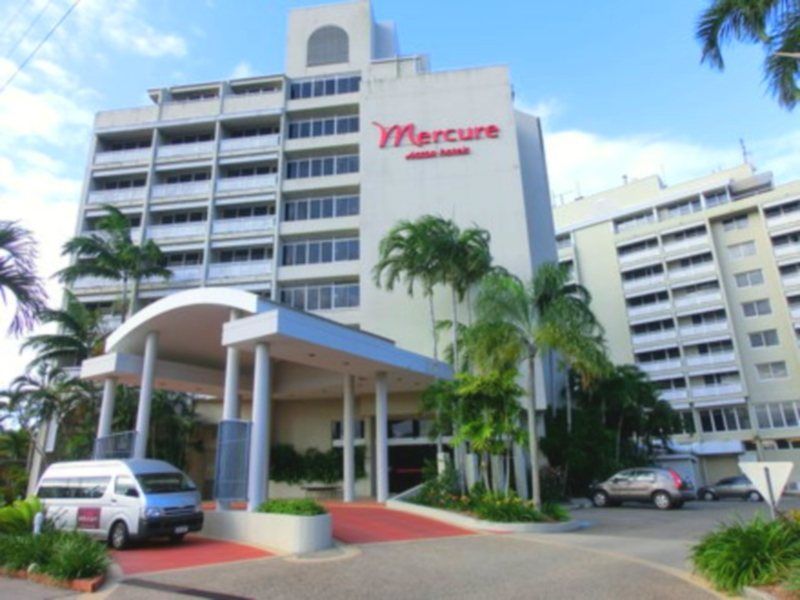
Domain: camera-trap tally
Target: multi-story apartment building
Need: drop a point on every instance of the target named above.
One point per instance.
(283, 185)
(699, 285)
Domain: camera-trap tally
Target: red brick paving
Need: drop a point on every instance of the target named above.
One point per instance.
(195, 551)
(363, 523)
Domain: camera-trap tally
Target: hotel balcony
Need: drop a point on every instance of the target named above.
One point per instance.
(126, 117)
(671, 395)
(644, 282)
(723, 389)
(785, 250)
(189, 109)
(705, 360)
(791, 279)
(192, 150)
(240, 270)
(784, 219)
(242, 103)
(182, 230)
(120, 157)
(655, 336)
(687, 244)
(633, 257)
(177, 190)
(698, 299)
(693, 272)
(648, 309)
(180, 274)
(95, 282)
(795, 312)
(249, 144)
(117, 196)
(709, 328)
(244, 225)
(661, 365)
(252, 183)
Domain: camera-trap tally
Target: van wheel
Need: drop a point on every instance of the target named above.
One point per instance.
(119, 538)
(754, 496)
(709, 496)
(176, 538)
(600, 499)
(662, 500)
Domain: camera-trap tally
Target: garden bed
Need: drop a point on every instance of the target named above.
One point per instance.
(84, 586)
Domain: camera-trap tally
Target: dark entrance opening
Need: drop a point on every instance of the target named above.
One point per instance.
(406, 462)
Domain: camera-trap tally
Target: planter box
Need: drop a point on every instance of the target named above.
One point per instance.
(84, 586)
(286, 533)
(462, 520)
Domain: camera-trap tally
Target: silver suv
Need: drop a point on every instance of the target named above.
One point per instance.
(662, 487)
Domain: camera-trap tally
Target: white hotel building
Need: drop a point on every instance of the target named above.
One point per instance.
(280, 188)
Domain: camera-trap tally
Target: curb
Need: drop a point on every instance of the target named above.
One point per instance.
(756, 594)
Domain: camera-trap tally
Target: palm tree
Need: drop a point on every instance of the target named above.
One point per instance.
(79, 336)
(18, 275)
(774, 24)
(522, 322)
(111, 253)
(43, 393)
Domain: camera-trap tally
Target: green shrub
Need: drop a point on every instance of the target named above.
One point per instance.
(438, 490)
(741, 554)
(20, 551)
(290, 466)
(18, 516)
(555, 511)
(75, 555)
(301, 507)
(503, 508)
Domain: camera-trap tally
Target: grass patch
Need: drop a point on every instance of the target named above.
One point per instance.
(753, 553)
(300, 507)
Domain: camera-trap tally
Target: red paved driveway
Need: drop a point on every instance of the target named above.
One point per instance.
(363, 523)
(195, 551)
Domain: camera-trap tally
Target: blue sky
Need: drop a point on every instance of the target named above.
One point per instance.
(618, 84)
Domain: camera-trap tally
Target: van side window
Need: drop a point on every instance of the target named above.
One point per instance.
(54, 488)
(90, 487)
(125, 486)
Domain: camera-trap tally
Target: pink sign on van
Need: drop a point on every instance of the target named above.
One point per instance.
(88, 518)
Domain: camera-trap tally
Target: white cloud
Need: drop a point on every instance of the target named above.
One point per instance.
(242, 70)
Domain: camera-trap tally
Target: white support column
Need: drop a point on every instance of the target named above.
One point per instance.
(258, 477)
(230, 401)
(381, 437)
(348, 440)
(146, 394)
(107, 408)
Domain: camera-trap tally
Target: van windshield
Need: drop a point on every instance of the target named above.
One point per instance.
(165, 483)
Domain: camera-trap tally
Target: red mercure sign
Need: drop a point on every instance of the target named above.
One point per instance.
(395, 134)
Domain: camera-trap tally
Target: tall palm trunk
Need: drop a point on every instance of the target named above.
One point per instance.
(439, 443)
(619, 436)
(124, 310)
(568, 392)
(533, 441)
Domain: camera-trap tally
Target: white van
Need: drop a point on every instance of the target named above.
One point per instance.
(121, 500)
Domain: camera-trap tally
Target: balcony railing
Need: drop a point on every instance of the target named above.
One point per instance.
(245, 225)
(134, 155)
(791, 279)
(685, 244)
(689, 330)
(95, 282)
(678, 394)
(795, 312)
(639, 255)
(117, 196)
(189, 188)
(185, 150)
(187, 109)
(252, 182)
(182, 230)
(784, 219)
(723, 389)
(698, 298)
(702, 360)
(654, 336)
(787, 249)
(661, 365)
(254, 268)
(642, 282)
(696, 271)
(647, 309)
(181, 273)
(254, 142)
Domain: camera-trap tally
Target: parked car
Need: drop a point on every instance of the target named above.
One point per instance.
(121, 500)
(662, 487)
(730, 487)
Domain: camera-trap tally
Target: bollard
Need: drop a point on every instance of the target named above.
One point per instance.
(38, 519)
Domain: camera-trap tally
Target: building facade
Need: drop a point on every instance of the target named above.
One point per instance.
(283, 186)
(699, 285)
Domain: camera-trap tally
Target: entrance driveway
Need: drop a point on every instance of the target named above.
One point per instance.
(364, 523)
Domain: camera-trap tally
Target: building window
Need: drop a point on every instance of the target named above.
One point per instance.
(772, 370)
(253, 131)
(749, 278)
(783, 209)
(734, 223)
(324, 86)
(633, 221)
(787, 239)
(234, 172)
(777, 415)
(320, 251)
(323, 296)
(244, 212)
(188, 177)
(686, 421)
(325, 207)
(716, 198)
(239, 255)
(742, 250)
(336, 430)
(327, 46)
(179, 259)
(335, 125)
(757, 308)
(728, 418)
(637, 247)
(321, 166)
(680, 208)
(763, 339)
